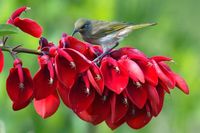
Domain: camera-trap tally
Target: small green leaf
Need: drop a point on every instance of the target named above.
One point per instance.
(7, 29)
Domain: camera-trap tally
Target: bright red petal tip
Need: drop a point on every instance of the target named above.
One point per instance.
(181, 84)
(47, 106)
(16, 14)
(20, 105)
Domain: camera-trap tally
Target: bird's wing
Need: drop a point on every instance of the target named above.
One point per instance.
(102, 28)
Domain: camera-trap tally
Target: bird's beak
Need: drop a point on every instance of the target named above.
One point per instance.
(139, 26)
(75, 31)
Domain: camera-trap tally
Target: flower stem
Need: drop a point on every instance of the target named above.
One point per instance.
(20, 50)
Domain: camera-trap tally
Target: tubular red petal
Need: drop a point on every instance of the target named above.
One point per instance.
(29, 26)
(166, 80)
(47, 106)
(43, 84)
(166, 70)
(86, 80)
(161, 58)
(51, 69)
(138, 96)
(20, 73)
(1, 61)
(80, 96)
(181, 83)
(96, 78)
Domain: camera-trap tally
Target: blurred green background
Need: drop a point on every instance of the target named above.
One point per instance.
(177, 35)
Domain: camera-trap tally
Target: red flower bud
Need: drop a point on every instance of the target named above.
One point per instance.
(27, 25)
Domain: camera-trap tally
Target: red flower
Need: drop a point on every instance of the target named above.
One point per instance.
(45, 80)
(68, 64)
(1, 61)
(19, 85)
(27, 25)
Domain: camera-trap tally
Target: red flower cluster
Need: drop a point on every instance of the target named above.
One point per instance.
(126, 86)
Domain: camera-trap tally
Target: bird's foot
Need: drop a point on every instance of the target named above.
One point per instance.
(98, 59)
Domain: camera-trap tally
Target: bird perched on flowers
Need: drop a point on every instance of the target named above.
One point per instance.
(106, 34)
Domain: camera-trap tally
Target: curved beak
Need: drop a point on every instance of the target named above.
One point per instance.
(75, 31)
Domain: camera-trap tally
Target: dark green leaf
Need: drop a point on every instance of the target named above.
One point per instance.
(7, 29)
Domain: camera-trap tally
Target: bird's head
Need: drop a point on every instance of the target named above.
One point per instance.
(82, 26)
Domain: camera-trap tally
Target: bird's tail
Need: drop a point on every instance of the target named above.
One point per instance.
(139, 26)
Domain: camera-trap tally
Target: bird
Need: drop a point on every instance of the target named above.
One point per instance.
(104, 33)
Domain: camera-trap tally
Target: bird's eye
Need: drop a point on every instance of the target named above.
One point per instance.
(85, 26)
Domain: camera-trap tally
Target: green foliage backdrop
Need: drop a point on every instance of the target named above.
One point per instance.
(177, 35)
